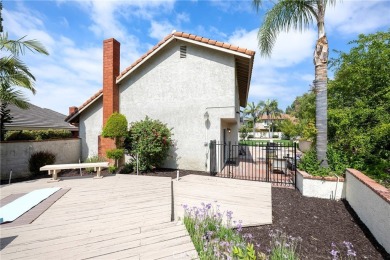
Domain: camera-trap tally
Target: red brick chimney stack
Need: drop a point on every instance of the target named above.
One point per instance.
(72, 110)
(111, 66)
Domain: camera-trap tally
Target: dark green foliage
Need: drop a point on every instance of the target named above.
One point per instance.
(337, 163)
(37, 135)
(127, 168)
(5, 118)
(112, 169)
(39, 159)
(115, 127)
(359, 104)
(151, 140)
(275, 136)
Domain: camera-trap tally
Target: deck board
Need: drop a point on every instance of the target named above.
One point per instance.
(250, 201)
(126, 216)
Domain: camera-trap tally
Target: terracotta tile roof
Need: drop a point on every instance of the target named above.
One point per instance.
(191, 37)
(152, 50)
(90, 100)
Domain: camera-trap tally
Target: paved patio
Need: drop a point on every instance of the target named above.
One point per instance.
(125, 216)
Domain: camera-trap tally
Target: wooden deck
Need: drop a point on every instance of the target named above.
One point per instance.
(125, 216)
(250, 201)
(115, 217)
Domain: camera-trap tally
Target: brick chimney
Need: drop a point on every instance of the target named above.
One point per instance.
(73, 110)
(111, 64)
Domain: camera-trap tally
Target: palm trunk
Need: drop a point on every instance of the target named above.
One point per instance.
(320, 86)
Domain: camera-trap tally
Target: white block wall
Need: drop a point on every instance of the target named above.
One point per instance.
(372, 209)
(318, 187)
(16, 154)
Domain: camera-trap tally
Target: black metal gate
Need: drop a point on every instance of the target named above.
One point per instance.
(257, 161)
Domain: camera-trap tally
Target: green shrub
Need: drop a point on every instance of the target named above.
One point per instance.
(37, 135)
(250, 136)
(19, 135)
(39, 159)
(115, 127)
(94, 159)
(115, 154)
(151, 140)
(275, 136)
(112, 169)
(127, 168)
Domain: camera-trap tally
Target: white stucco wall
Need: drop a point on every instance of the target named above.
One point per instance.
(319, 188)
(372, 209)
(16, 154)
(178, 92)
(90, 127)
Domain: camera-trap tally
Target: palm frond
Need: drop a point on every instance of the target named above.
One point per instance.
(285, 15)
(19, 46)
(257, 4)
(12, 96)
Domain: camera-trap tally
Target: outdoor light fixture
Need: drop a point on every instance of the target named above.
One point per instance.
(206, 116)
(229, 130)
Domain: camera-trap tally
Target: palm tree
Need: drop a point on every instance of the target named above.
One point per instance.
(253, 111)
(271, 110)
(300, 14)
(14, 73)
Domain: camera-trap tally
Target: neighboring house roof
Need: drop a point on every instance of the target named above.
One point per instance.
(280, 117)
(37, 118)
(243, 57)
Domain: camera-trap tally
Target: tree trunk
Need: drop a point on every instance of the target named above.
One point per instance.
(320, 86)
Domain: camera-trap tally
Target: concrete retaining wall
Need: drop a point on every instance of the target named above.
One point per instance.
(15, 154)
(320, 187)
(371, 202)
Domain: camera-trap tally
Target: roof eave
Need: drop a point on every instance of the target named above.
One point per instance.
(70, 119)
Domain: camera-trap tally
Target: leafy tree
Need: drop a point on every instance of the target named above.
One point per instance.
(116, 128)
(253, 111)
(359, 103)
(271, 110)
(300, 14)
(150, 140)
(5, 117)
(14, 73)
(244, 131)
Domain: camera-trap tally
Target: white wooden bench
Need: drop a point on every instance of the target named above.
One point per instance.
(53, 169)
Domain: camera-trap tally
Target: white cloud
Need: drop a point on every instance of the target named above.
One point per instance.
(358, 16)
(182, 18)
(289, 49)
(158, 30)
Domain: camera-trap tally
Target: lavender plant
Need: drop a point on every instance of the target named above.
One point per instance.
(214, 240)
(337, 254)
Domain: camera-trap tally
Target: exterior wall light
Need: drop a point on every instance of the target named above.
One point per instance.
(229, 130)
(206, 116)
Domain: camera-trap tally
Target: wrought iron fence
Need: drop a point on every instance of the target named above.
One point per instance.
(257, 161)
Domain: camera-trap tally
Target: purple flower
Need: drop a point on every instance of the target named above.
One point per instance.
(334, 253)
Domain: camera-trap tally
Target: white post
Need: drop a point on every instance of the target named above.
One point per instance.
(81, 173)
(137, 163)
(177, 178)
(10, 176)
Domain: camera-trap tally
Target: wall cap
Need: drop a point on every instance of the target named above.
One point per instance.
(306, 175)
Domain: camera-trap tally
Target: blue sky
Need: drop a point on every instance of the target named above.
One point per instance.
(73, 32)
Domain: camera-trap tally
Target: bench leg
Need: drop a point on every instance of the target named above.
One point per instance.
(98, 176)
(54, 174)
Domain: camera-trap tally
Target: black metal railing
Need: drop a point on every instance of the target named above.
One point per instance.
(273, 162)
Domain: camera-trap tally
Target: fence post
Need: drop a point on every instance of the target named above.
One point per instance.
(213, 157)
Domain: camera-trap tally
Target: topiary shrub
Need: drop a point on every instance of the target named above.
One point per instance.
(115, 128)
(115, 154)
(151, 140)
(39, 159)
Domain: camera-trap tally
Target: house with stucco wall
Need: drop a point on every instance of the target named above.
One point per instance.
(193, 84)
